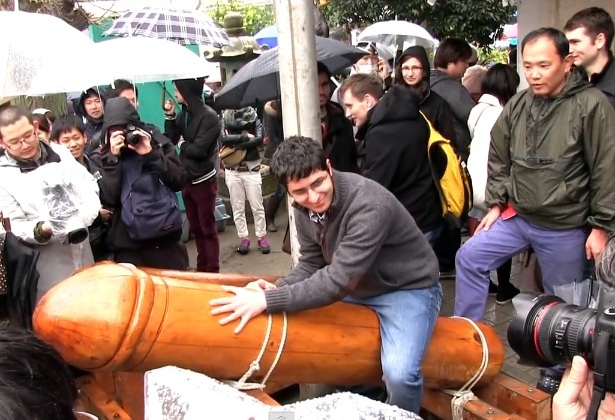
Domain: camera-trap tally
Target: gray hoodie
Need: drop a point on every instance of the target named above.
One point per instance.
(369, 245)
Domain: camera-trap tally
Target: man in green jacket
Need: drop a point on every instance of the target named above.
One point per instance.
(550, 179)
(358, 244)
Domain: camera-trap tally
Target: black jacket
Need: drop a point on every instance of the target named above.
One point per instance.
(92, 126)
(605, 81)
(396, 155)
(339, 140)
(199, 126)
(162, 159)
(433, 105)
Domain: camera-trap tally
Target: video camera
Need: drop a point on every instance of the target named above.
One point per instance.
(546, 331)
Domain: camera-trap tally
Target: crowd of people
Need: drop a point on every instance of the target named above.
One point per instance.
(369, 216)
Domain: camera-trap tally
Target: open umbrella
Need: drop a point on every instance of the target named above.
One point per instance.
(259, 80)
(131, 58)
(267, 36)
(383, 51)
(35, 64)
(178, 25)
(397, 34)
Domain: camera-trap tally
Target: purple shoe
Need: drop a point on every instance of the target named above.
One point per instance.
(244, 246)
(263, 245)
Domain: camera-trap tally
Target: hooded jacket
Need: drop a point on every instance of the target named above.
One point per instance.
(436, 109)
(395, 139)
(552, 158)
(162, 159)
(92, 125)
(460, 102)
(605, 80)
(200, 129)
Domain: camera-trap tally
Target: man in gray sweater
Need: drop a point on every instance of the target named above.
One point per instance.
(358, 244)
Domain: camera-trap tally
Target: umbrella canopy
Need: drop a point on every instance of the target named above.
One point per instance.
(36, 52)
(131, 58)
(177, 25)
(267, 36)
(397, 34)
(259, 80)
(382, 50)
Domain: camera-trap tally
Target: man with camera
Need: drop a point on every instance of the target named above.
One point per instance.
(140, 173)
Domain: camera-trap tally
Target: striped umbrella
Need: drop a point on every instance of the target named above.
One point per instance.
(181, 26)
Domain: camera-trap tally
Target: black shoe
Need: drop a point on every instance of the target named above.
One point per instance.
(549, 380)
(506, 294)
(493, 288)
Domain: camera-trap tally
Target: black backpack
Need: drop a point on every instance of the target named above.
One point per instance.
(149, 208)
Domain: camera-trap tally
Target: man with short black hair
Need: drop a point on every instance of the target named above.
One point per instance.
(41, 200)
(125, 89)
(360, 245)
(590, 33)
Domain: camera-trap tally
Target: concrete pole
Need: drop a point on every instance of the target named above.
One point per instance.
(16, 5)
(300, 104)
(298, 79)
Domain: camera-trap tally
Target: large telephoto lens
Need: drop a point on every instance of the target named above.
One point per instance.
(546, 331)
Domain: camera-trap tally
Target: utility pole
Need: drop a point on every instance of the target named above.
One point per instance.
(16, 4)
(299, 95)
(298, 79)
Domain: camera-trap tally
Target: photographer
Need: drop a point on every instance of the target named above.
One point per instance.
(572, 400)
(140, 170)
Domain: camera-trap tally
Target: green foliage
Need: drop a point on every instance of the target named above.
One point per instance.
(492, 55)
(255, 18)
(474, 20)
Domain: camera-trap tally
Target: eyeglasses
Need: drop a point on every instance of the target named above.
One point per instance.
(314, 186)
(413, 69)
(18, 143)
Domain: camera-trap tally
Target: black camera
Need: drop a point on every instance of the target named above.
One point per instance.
(132, 136)
(546, 331)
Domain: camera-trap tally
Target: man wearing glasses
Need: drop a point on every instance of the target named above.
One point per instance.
(72, 198)
(358, 244)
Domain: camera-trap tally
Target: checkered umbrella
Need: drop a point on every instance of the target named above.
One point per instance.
(181, 26)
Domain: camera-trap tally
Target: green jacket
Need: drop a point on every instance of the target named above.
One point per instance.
(553, 159)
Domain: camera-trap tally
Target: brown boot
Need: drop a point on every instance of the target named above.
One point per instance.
(271, 208)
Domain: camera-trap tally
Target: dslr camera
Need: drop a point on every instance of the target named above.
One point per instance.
(546, 332)
(132, 136)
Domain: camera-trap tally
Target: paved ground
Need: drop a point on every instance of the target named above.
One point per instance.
(279, 263)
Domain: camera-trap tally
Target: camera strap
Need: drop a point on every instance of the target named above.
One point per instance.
(600, 369)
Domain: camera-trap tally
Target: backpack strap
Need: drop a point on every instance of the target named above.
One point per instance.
(472, 124)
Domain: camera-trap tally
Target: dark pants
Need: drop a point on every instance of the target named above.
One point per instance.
(200, 202)
(446, 247)
(171, 257)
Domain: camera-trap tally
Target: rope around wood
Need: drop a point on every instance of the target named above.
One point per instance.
(465, 394)
(243, 384)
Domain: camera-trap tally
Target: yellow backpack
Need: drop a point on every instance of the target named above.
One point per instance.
(451, 176)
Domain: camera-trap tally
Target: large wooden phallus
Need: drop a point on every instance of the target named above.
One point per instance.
(113, 317)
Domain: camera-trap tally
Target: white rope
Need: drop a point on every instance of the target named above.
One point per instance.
(243, 384)
(465, 394)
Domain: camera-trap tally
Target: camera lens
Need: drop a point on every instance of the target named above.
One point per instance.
(546, 331)
(132, 137)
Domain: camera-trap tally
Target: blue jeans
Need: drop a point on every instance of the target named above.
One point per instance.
(433, 235)
(407, 319)
(560, 253)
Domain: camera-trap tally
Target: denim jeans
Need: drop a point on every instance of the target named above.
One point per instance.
(407, 319)
(433, 235)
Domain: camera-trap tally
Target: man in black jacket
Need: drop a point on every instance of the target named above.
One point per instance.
(395, 136)
(157, 154)
(196, 131)
(590, 33)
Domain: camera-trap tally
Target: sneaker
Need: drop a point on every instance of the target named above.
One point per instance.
(549, 380)
(244, 246)
(506, 294)
(263, 245)
(493, 288)
(271, 226)
(447, 275)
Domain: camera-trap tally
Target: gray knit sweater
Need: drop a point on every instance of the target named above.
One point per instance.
(369, 245)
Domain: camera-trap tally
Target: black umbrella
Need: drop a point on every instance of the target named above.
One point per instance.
(22, 280)
(259, 80)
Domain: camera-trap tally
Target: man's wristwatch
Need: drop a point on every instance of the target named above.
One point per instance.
(39, 234)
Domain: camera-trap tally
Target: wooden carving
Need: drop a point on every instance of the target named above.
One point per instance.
(110, 318)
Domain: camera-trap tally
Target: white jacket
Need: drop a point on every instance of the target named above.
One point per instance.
(480, 122)
(21, 200)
